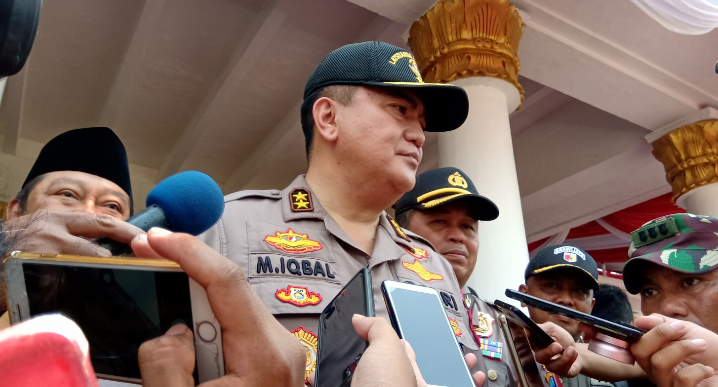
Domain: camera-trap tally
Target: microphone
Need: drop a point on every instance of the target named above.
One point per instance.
(189, 202)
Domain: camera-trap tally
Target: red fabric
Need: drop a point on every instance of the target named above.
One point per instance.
(632, 218)
(535, 245)
(589, 229)
(619, 254)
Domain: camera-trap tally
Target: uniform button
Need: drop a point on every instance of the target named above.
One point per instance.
(492, 375)
(275, 192)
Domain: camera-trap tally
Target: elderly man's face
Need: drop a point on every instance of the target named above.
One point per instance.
(453, 232)
(689, 297)
(76, 192)
(563, 287)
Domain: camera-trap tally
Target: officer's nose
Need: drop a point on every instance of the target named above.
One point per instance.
(673, 305)
(415, 134)
(563, 297)
(88, 206)
(456, 235)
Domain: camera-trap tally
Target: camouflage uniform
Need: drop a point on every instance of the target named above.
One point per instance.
(682, 242)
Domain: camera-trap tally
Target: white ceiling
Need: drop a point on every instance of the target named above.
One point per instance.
(215, 85)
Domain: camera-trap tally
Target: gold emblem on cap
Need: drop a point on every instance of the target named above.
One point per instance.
(412, 63)
(458, 181)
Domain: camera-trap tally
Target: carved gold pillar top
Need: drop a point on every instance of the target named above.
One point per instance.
(468, 38)
(689, 155)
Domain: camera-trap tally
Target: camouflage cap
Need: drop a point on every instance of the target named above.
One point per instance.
(685, 243)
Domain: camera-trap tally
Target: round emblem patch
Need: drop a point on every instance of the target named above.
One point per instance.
(309, 341)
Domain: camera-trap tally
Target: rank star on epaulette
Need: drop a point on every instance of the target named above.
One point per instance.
(399, 232)
(298, 295)
(301, 200)
(310, 342)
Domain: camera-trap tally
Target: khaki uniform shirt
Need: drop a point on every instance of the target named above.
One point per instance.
(297, 258)
(500, 368)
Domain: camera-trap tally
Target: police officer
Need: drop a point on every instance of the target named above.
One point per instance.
(445, 208)
(364, 114)
(79, 187)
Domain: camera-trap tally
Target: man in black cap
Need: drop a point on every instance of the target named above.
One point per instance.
(445, 208)
(364, 114)
(564, 275)
(79, 188)
(568, 276)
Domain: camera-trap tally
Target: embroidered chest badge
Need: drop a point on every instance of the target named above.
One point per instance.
(455, 327)
(301, 200)
(309, 341)
(298, 295)
(417, 252)
(292, 242)
(424, 274)
(484, 326)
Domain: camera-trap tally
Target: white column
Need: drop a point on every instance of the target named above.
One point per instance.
(483, 149)
(701, 200)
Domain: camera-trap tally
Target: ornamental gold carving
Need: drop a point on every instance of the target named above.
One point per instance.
(468, 38)
(689, 155)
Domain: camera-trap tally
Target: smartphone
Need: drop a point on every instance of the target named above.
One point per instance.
(417, 314)
(119, 303)
(340, 347)
(521, 354)
(618, 330)
(518, 317)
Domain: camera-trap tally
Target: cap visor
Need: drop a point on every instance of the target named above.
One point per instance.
(589, 278)
(445, 106)
(634, 269)
(482, 208)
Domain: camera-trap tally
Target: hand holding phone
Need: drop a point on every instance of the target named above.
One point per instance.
(418, 316)
(612, 339)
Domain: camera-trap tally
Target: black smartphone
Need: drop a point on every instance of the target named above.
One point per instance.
(516, 316)
(417, 314)
(340, 347)
(522, 356)
(621, 331)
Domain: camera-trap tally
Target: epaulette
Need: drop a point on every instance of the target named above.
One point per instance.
(264, 194)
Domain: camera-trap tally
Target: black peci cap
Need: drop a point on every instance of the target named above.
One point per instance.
(445, 185)
(382, 64)
(97, 151)
(562, 257)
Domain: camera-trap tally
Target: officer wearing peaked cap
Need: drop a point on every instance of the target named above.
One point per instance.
(364, 114)
(445, 208)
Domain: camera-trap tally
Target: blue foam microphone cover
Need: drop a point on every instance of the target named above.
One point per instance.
(189, 202)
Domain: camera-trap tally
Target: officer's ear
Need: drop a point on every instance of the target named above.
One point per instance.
(325, 118)
(13, 209)
(525, 290)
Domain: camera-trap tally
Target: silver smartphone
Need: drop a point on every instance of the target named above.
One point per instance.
(418, 316)
(521, 354)
(119, 303)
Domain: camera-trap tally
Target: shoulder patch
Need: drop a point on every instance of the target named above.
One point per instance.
(301, 200)
(263, 194)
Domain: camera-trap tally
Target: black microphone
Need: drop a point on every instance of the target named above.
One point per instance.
(189, 202)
